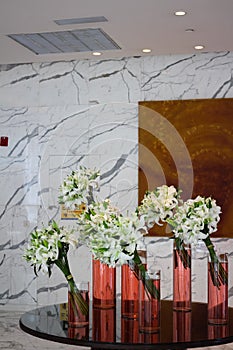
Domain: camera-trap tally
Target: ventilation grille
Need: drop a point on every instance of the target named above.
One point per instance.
(79, 40)
(81, 20)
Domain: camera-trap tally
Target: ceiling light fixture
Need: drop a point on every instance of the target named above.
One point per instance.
(146, 50)
(180, 13)
(95, 53)
(199, 47)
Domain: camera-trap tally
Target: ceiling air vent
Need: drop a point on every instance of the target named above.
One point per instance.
(81, 20)
(80, 40)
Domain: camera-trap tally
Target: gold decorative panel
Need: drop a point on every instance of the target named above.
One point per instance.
(189, 144)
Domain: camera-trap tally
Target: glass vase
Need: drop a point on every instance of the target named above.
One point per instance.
(130, 287)
(149, 306)
(182, 278)
(104, 324)
(181, 326)
(129, 330)
(103, 285)
(80, 333)
(218, 331)
(76, 318)
(218, 290)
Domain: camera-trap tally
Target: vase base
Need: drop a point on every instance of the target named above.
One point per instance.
(217, 321)
(149, 330)
(182, 308)
(103, 305)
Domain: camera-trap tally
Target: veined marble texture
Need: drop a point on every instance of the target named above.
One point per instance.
(64, 114)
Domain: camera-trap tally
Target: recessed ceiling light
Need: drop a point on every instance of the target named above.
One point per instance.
(146, 50)
(95, 53)
(189, 30)
(199, 47)
(180, 13)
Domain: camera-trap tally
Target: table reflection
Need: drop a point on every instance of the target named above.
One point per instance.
(218, 331)
(104, 324)
(129, 330)
(181, 326)
(107, 326)
(79, 333)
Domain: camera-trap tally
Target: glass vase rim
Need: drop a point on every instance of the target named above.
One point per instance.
(187, 246)
(222, 257)
(151, 275)
(82, 286)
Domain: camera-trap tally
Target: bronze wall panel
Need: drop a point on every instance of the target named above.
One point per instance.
(189, 144)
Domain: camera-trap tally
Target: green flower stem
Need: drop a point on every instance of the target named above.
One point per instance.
(221, 277)
(148, 283)
(183, 253)
(63, 265)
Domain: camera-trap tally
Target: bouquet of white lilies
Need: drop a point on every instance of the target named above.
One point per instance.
(191, 221)
(195, 220)
(158, 205)
(77, 188)
(111, 237)
(49, 246)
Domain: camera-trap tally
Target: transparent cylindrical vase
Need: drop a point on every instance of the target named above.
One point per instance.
(130, 287)
(218, 290)
(182, 290)
(149, 303)
(76, 318)
(103, 285)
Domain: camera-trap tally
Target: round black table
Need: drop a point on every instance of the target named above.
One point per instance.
(108, 330)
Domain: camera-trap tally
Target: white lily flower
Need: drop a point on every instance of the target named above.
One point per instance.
(196, 219)
(111, 237)
(75, 189)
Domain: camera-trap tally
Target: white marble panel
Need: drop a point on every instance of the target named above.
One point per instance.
(19, 85)
(52, 290)
(122, 113)
(21, 127)
(20, 283)
(114, 81)
(159, 255)
(65, 135)
(5, 255)
(23, 291)
(118, 180)
(19, 181)
(165, 77)
(184, 77)
(63, 83)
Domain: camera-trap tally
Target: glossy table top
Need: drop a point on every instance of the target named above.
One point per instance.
(108, 330)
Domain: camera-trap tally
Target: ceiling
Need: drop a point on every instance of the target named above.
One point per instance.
(131, 24)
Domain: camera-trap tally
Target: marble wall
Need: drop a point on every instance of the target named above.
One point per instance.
(64, 114)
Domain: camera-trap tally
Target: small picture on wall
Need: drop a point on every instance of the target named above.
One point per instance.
(71, 214)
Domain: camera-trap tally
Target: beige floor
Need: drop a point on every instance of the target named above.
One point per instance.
(12, 337)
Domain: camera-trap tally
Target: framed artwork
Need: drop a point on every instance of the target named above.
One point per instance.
(188, 144)
(67, 214)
